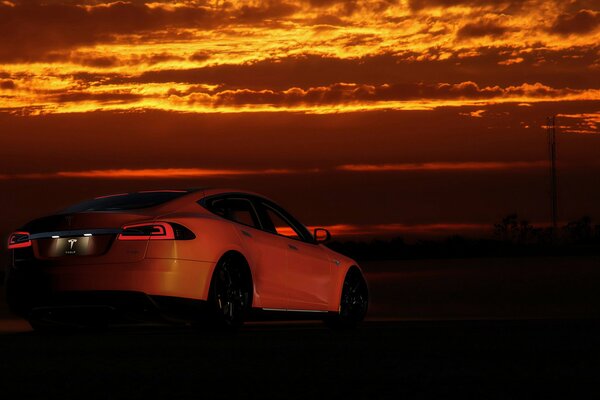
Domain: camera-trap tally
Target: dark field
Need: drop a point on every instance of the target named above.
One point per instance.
(482, 329)
(486, 288)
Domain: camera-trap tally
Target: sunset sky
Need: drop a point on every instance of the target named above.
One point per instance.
(370, 117)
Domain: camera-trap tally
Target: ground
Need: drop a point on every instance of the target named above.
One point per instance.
(482, 329)
(484, 360)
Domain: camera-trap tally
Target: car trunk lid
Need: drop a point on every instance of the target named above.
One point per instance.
(86, 238)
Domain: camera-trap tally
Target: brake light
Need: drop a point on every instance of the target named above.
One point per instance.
(18, 240)
(153, 231)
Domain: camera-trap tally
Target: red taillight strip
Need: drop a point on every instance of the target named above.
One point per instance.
(160, 231)
(12, 244)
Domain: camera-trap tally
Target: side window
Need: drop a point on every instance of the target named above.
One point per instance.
(276, 220)
(218, 207)
(280, 225)
(235, 209)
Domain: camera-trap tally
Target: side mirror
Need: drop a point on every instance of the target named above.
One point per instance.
(321, 235)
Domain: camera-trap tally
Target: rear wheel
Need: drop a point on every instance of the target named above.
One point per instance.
(230, 294)
(353, 303)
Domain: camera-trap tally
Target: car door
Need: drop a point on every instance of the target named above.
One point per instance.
(309, 269)
(266, 253)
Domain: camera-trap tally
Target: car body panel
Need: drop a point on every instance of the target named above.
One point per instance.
(309, 276)
(161, 277)
(267, 256)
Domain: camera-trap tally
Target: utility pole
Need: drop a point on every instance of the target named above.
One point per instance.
(551, 127)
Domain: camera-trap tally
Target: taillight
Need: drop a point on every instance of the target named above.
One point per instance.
(18, 240)
(153, 231)
(156, 231)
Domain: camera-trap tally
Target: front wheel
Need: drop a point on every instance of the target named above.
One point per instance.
(353, 303)
(230, 294)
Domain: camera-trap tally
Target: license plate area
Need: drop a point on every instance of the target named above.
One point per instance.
(74, 246)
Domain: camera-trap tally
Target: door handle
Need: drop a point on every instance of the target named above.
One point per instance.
(246, 233)
(291, 246)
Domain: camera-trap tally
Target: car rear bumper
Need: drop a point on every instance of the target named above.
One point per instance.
(37, 285)
(99, 307)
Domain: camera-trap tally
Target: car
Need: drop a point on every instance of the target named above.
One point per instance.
(209, 257)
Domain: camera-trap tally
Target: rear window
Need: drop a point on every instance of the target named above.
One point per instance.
(127, 201)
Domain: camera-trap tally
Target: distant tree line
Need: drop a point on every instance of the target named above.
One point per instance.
(512, 237)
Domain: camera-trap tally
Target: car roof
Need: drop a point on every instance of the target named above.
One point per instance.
(215, 191)
(206, 190)
(189, 195)
(193, 195)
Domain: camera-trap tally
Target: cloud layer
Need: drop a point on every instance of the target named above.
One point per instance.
(316, 55)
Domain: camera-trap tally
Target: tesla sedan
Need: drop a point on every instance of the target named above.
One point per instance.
(193, 256)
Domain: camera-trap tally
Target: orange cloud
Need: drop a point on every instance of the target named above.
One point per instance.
(484, 27)
(583, 123)
(337, 97)
(152, 173)
(444, 166)
(185, 173)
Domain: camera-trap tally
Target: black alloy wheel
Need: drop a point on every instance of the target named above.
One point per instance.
(230, 294)
(353, 303)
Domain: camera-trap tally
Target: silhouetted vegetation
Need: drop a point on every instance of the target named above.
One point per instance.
(511, 237)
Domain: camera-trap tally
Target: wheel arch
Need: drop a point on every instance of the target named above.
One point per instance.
(243, 261)
(351, 268)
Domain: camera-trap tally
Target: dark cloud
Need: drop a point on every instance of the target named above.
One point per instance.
(349, 7)
(98, 62)
(500, 4)
(327, 20)
(108, 97)
(200, 56)
(264, 11)
(573, 6)
(156, 58)
(114, 61)
(30, 30)
(346, 93)
(481, 28)
(7, 84)
(327, 3)
(362, 39)
(85, 79)
(539, 65)
(582, 22)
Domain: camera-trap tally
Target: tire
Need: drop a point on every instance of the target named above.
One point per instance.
(230, 294)
(354, 302)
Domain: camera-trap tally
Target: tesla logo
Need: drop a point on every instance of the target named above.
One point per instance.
(72, 242)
